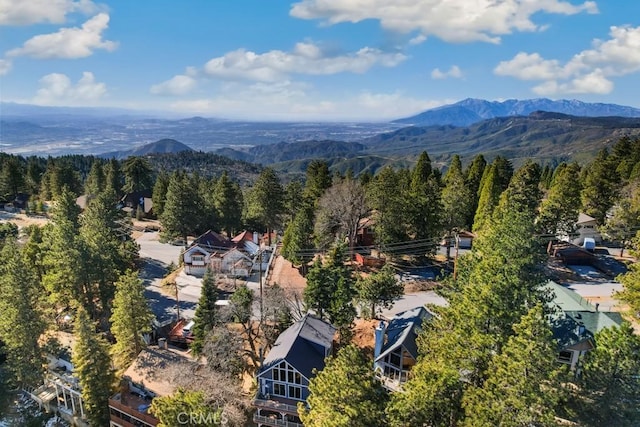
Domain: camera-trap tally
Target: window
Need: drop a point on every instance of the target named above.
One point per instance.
(279, 390)
(284, 372)
(565, 356)
(295, 392)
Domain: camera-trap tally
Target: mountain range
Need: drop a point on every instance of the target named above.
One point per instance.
(470, 111)
(517, 129)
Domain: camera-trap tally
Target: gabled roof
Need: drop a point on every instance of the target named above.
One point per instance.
(198, 248)
(245, 235)
(583, 217)
(303, 345)
(576, 319)
(212, 241)
(403, 330)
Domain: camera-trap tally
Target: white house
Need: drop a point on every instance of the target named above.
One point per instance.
(196, 259)
(586, 226)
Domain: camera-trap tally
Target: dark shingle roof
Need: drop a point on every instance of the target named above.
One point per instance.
(403, 330)
(303, 345)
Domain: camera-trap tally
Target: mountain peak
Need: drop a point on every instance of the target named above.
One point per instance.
(472, 110)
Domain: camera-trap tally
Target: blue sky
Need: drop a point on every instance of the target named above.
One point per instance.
(315, 59)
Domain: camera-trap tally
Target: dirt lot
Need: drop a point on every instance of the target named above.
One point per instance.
(22, 220)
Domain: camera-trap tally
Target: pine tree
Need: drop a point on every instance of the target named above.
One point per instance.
(113, 178)
(111, 250)
(21, 322)
(600, 186)
(205, 316)
(229, 204)
(456, 199)
(379, 289)
(130, 320)
(630, 293)
(610, 382)
(159, 194)
(559, 212)
(523, 192)
(345, 393)
(96, 181)
(65, 255)
(265, 201)
(182, 210)
(318, 180)
(522, 385)
(426, 207)
(137, 174)
(488, 199)
(387, 197)
(297, 242)
(92, 366)
(473, 178)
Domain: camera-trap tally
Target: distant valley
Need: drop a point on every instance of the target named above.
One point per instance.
(510, 129)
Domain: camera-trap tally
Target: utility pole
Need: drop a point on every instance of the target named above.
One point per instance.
(455, 259)
(260, 280)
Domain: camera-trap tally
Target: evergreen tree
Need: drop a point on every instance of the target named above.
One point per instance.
(473, 178)
(181, 214)
(504, 172)
(456, 199)
(381, 288)
(523, 192)
(330, 291)
(387, 197)
(33, 176)
(111, 250)
(600, 187)
(229, 204)
(631, 282)
(159, 194)
(265, 201)
(559, 212)
(93, 368)
(130, 320)
(293, 200)
(610, 381)
(113, 177)
(137, 174)
(64, 256)
(96, 181)
(318, 180)
(21, 322)
(205, 316)
(522, 384)
(345, 393)
(488, 199)
(12, 173)
(624, 218)
(497, 284)
(297, 243)
(426, 206)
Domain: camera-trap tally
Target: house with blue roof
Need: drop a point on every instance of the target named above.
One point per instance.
(395, 348)
(283, 379)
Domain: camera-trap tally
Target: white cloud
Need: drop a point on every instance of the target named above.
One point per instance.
(69, 43)
(451, 20)
(586, 72)
(418, 39)
(453, 72)
(305, 58)
(27, 12)
(5, 66)
(57, 89)
(178, 85)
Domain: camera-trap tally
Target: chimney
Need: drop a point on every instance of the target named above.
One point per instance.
(255, 238)
(379, 339)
